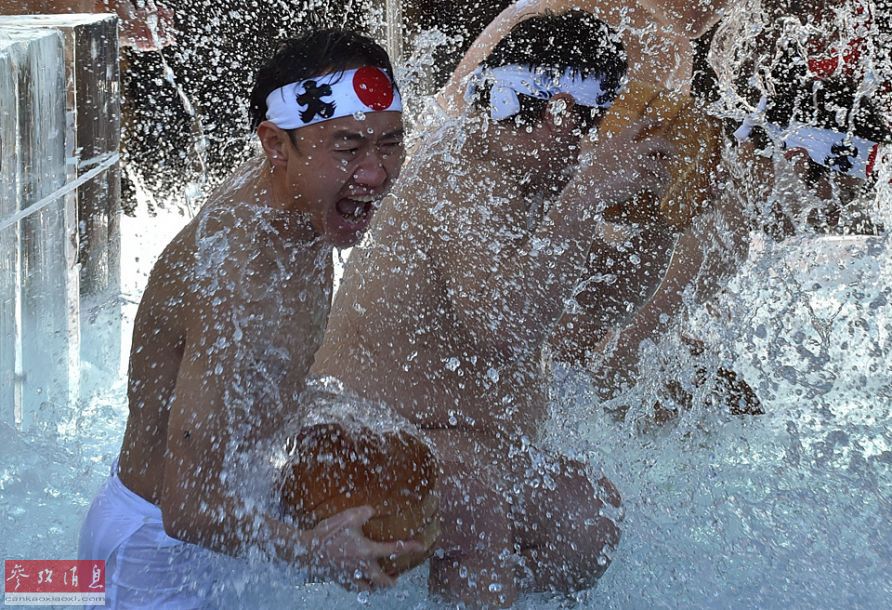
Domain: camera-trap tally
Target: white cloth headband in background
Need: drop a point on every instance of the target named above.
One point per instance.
(332, 96)
(838, 151)
(507, 83)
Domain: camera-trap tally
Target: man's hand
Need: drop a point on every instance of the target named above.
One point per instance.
(338, 550)
(625, 164)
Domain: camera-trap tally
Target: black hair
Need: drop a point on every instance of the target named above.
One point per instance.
(704, 80)
(574, 40)
(312, 54)
(833, 103)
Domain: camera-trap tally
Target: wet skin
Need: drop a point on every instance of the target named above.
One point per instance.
(638, 267)
(229, 261)
(442, 315)
(233, 312)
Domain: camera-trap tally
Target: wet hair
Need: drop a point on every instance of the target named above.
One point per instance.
(312, 54)
(575, 40)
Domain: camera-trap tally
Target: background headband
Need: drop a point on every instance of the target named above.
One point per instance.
(507, 83)
(841, 152)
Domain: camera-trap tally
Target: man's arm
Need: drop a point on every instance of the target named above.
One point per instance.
(199, 506)
(704, 256)
(508, 301)
(227, 401)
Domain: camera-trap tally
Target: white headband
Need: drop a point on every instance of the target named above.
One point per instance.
(332, 96)
(510, 82)
(838, 151)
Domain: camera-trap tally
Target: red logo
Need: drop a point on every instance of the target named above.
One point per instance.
(373, 88)
(49, 582)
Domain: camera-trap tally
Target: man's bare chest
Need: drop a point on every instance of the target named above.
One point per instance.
(285, 308)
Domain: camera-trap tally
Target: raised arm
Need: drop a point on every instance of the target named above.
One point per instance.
(705, 255)
(678, 21)
(508, 287)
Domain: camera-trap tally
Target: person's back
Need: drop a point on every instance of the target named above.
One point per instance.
(443, 313)
(394, 334)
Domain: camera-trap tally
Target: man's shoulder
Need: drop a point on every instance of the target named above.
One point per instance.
(441, 182)
(229, 211)
(202, 251)
(220, 216)
(176, 257)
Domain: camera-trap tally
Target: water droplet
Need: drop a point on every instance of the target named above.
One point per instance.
(548, 482)
(452, 363)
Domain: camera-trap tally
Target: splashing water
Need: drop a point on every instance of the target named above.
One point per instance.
(784, 509)
(788, 509)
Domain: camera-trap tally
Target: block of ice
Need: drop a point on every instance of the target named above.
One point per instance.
(36, 273)
(92, 134)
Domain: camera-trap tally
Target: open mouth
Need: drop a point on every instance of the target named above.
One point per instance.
(355, 211)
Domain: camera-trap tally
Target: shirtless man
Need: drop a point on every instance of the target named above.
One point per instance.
(443, 312)
(233, 312)
(652, 264)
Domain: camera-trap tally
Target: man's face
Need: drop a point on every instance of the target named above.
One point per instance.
(339, 170)
(549, 150)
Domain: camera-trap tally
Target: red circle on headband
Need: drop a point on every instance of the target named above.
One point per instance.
(373, 88)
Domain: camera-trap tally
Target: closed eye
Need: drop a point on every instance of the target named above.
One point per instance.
(391, 145)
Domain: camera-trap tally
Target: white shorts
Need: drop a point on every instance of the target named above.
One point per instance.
(146, 568)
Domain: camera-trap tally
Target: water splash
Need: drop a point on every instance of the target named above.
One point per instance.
(790, 509)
